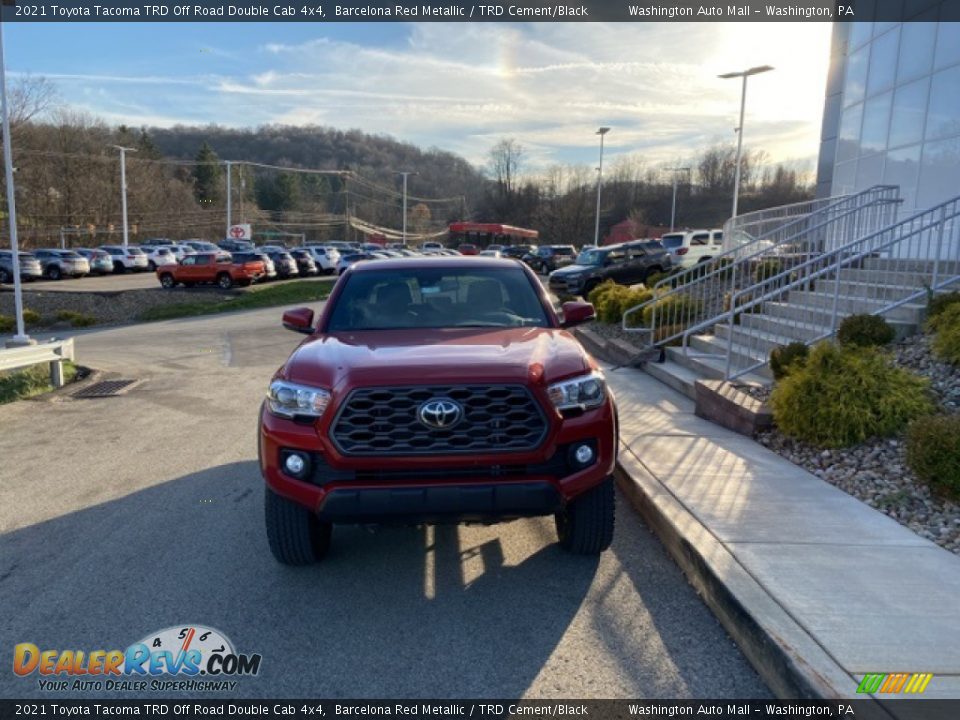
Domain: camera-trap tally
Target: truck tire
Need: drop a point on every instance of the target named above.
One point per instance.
(53, 272)
(585, 525)
(296, 536)
(119, 267)
(167, 281)
(224, 281)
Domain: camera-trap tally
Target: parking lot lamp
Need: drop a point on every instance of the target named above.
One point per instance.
(743, 103)
(405, 175)
(673, 205)
(21, 338)
(123, 191)
(596, 229)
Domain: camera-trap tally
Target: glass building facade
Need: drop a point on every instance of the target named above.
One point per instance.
(892, 111)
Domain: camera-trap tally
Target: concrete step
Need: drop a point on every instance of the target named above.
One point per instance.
(893, 276)
(755, 343)
(912, 265)
(846, 305)
(873, 291)
(740, 356)
(674, 375)
(783, 327)
(714, 365)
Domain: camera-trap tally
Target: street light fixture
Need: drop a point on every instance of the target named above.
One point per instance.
(123, 190)
(743, 102)
(673, 205)
(596, 229)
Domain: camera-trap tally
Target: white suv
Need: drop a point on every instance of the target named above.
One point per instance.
(132, 259)
(692, 246)
(325, 257)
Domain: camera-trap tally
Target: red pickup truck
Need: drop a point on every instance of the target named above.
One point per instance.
(437, 390)
(216, 268)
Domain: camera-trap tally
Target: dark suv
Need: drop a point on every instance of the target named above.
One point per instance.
(437, 390)
(548, 258)
(626, 263)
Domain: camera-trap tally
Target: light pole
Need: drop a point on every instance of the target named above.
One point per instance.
(405, 175)
(123, 191)
(21, 338)
(673, 205)
(596, 228)
(229, 201)
(743, 103)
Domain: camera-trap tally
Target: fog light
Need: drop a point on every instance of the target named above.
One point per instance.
(295, 464)
(583, 455)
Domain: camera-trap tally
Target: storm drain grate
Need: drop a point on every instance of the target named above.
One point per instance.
(104, 388)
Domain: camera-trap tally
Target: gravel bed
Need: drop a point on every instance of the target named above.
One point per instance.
(109, 308)
(609, 331)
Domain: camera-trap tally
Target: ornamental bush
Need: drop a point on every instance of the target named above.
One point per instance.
(843, 395)
(865, 330)
(946, 338)
(937, 304)
(784, 357)
(676, 309)
(933, 452)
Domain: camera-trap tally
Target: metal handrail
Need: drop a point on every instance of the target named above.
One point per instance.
(876, 197)
(830, 265)
(777, 213)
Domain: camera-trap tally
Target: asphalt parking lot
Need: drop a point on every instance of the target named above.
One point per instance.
(125, 515)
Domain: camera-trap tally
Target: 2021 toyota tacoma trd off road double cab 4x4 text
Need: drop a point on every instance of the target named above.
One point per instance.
(436, 390)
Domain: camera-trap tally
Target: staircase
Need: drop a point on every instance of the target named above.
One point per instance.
(888, 271)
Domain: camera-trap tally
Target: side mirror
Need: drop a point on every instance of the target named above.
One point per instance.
(299, 320)
(577, 313)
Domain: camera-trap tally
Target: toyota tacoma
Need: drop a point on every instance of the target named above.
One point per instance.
(437, 390)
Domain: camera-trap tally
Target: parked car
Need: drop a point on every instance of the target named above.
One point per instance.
(305, 262)
(269, 269)
(350, 259)
(181, 251)
(625, 263)
(431, 246)
(490, 253)
(547, 258)
(406, 252)
(518, 251)
(693, 246)
(132, 258)
(101, 263)
(400, 381)
(158, 241)
(468, 249)
(495, 247)
(58, 263)
(206, 268)
(284, 263)
(325, 257)
(158, 255)
(30, 267)
(201, 246)
(235, 245)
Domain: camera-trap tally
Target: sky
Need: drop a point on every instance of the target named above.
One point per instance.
(459, 87)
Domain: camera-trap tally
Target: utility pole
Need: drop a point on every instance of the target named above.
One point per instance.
(405, 176)
(123, 191)
(673, 205)
(229, 201)
(596, 230)
(21, 338)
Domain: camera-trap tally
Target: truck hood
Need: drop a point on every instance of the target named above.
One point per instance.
(573, 270)
(414, 357)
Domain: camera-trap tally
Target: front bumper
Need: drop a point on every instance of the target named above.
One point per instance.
(438, 488)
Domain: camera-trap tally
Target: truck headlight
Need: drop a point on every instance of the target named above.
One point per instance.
(584, 392)
(290, 400)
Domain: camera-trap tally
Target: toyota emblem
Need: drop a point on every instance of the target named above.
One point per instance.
(440, 413)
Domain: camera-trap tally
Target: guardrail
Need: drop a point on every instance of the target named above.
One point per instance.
(53, 352)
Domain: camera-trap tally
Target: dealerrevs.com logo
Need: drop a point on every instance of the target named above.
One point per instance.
(186, 657)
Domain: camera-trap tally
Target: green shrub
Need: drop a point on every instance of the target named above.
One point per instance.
(30, 317)
(608, 305)
(676, 309)
(7, 324)
(933, 452)
(865, 330)
(595, 295)
(766, 269)
(844, 395)
(630, 299)
(946, 339)
(665, 331)
(937, 304)
(76, 319)
(654, 278)
(784, 357)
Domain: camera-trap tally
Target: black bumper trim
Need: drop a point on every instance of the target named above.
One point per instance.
(441, 503)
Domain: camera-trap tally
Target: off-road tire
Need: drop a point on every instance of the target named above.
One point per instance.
(296, 536)
(224, 281)
(53, 272)
(585, 525)
(167, 281)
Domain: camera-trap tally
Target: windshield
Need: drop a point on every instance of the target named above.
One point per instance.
(671, 242)
(437, 298)
(565, 251)
(590, 257)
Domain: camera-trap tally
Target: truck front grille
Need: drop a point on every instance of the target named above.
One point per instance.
(384, 421)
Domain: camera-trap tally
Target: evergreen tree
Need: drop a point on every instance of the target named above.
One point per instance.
(207, 176)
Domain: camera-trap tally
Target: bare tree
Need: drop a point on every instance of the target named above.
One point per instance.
(29, 97)
(505, 162)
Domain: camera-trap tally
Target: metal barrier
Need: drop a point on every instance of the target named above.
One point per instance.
(53, 352)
